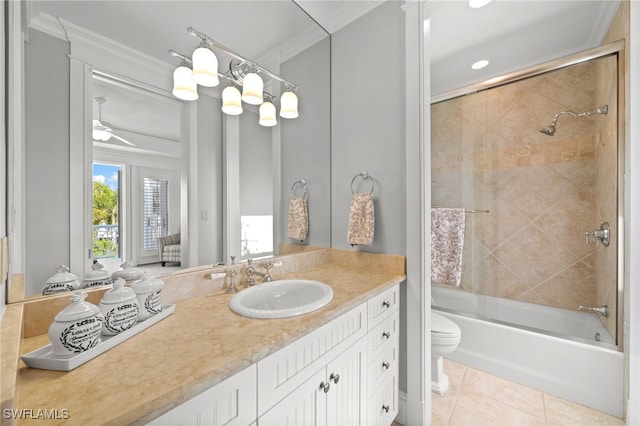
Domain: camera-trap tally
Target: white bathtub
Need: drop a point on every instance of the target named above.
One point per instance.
(550, 349)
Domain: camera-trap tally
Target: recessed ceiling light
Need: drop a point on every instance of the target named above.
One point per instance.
(480, 64)
(478, 3)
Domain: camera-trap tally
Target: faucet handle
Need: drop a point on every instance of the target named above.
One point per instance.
(250, 271)
(231, 286)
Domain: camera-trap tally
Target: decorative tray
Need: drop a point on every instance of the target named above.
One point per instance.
(43, 358)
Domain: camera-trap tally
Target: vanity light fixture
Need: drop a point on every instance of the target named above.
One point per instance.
(183, 85)
(231, 101)
(480, 64)
(202, 69)
(205, 67)
(288, 105)
(252, 87)
(267, 114)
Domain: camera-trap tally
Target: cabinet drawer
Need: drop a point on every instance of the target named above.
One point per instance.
(232, 401)
(380, 306)
(282, 372)
(384, 336)
(382, 408)
(383, 366)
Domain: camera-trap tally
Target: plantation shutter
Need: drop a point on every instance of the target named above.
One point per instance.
(156, 211)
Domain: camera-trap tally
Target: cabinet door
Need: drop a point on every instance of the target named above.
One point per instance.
(345, 399)
(232, 402)
(305, 406)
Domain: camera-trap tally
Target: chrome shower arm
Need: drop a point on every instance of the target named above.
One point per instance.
(602, 110)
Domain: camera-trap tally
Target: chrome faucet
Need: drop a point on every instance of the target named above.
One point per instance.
(251, 271)
(266, 275)
(602, 310)
(231, 273)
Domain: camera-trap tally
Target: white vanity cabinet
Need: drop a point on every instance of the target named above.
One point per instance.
(343, 373)
(231, 402)
(383, 367)
(332, 396)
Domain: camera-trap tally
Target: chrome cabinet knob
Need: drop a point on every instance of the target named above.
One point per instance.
(325, 386)
(335, 377)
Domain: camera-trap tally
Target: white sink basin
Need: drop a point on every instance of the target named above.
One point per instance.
(281, 299)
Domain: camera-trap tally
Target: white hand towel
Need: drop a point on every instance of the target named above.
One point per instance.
(447, 240)
(298, 219)
(361, 219)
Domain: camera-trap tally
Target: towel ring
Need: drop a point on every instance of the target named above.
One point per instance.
(301, 182)
(364, 176)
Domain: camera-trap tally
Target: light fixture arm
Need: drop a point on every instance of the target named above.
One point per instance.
(208, 40)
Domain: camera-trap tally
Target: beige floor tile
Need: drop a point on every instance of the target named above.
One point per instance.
(476, 410)
(512, 394)
(442, 405)
(455, 371)
(560, 412)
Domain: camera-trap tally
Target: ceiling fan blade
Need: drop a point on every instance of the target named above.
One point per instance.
(122, 139)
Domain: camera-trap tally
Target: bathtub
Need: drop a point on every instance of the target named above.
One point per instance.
(558, 351)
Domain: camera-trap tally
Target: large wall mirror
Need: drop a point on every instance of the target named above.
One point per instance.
(169, 166)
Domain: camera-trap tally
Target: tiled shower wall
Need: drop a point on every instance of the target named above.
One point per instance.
(542, 192)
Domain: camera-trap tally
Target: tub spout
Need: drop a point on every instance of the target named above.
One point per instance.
(602, 310)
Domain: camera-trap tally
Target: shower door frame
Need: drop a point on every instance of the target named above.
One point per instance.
(614, 48)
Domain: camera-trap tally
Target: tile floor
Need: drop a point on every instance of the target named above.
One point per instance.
(476, 398)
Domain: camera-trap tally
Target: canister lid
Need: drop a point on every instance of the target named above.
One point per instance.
(97, 272)
(147, 285)
(63, 275)
(78, 309)
(118, 294)
(128, 272)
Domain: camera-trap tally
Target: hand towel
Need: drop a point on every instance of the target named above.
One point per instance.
(298, 219)
(447, 240)
(361, 219)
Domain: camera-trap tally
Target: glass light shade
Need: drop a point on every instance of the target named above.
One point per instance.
(268, 115)
(231, 103)
(183, 85)
(252, 86)
(205, 67)
(288, 105)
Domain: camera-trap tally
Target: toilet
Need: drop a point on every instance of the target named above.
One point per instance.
(445, 336)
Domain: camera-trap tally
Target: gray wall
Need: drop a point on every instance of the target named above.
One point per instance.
(368, 124)
(256, 166)
(306, 142)
(209, 180)
(368, 132)
(46, 156)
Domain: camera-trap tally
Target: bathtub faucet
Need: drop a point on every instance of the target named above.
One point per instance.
(602, 310)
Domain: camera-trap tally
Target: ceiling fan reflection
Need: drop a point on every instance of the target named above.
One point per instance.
(102, 132)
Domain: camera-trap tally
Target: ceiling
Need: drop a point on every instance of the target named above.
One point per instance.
(512, 34)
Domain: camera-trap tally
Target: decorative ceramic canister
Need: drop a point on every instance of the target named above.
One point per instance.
(127, 273)
(96, 276)
(119, 306)
(148, 294)
(76, 328)
(60, 282)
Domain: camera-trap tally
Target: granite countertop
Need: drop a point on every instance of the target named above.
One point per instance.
(202, 343)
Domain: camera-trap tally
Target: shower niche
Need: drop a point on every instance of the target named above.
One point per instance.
(541, 154)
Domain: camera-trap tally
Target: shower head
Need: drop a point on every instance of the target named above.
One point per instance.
(551, 128)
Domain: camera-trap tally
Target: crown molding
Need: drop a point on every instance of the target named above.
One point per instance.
(333, 16)
(80, 36)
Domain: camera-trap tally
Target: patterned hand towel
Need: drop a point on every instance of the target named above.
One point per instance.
(447, 240)
(298, 219)
(361, 219)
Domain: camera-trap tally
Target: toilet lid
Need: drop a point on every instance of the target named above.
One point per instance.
(442, 325)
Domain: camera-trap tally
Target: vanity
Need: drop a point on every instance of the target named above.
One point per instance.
(205, 364)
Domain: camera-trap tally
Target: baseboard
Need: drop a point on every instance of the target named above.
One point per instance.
(402, 408)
